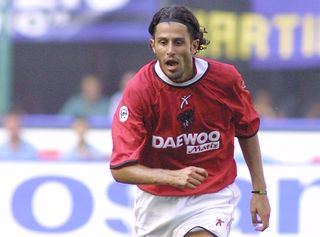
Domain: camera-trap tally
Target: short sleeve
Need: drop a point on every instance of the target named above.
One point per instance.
(128, 130)
(246, 118)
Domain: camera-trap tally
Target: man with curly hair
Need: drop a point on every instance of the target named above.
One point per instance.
(173, 136)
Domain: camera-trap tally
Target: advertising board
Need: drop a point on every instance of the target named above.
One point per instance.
(79, 199)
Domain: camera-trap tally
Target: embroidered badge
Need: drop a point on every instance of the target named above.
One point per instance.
(123, 113)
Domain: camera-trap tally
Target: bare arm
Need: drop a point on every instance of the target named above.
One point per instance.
(260, 206)
(251, 151)
(189, 177)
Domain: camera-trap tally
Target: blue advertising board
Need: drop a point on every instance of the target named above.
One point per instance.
(80, 20)
(80, 199)
(293, 32)
(267, 34)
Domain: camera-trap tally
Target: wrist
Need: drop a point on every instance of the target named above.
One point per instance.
(259, 192)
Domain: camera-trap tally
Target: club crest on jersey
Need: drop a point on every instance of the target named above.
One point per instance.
(186, 118)
(123, 113)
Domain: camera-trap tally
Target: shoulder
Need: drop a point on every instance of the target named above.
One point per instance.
(4, 147)
(70, 155)
(74, 100)
(223, 69)
(224, 75)
(104, 101)
(27, 146)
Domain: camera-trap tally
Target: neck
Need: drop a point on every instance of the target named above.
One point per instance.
(189, 75)
(15, 142)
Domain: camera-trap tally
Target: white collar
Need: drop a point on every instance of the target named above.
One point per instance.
(201, 66)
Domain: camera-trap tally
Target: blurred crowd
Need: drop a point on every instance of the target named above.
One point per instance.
(88, 101)
(267, 107)
(16, 147)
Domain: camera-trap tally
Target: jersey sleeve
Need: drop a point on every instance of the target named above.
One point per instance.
(128, 130)
(246, 118)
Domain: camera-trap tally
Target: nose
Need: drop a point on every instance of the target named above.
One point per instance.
(170, 49)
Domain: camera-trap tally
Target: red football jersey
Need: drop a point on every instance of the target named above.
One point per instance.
(163, 124)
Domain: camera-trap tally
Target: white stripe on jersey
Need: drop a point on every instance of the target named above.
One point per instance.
(201, 66)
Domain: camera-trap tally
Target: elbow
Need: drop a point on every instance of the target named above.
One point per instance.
(125, 174)
(116, 174)
(121, 175)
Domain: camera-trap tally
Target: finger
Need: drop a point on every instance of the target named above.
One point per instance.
(194, 182)
(198, 177)
(191, 185)
(260, 227)
(257, 224)
(254, 219)
(202, 172)
(265, 223)
(262, 224)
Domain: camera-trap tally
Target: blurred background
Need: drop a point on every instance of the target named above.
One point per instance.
(63, 65)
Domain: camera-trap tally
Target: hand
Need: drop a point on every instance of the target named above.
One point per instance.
(260, 211)
(189, 177)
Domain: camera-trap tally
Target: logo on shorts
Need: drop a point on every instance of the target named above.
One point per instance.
(219, 222)
(123, 113)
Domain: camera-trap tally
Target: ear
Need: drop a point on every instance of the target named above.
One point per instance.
(151, 44)
(195, 46)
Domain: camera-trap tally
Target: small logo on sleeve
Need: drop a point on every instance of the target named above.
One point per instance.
(123, 113)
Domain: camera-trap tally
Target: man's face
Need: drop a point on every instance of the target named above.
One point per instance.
(174, 48)
(91, 89)
(13, 125)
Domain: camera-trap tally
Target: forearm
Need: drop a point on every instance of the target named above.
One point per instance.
(259, 205)
(189, 177)
(251, 151)
(138, 174)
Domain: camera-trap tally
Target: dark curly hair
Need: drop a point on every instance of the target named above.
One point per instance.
(182, 15)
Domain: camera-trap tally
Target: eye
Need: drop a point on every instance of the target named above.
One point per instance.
(162, 42)
(179, 42)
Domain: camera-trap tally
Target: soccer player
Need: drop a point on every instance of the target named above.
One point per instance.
(173, 136)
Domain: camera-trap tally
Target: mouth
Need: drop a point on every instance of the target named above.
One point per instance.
(171, 64)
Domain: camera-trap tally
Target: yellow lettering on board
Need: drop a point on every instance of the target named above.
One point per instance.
(318, 36)
(222, 33)
(254, 36)
(247, 35)
(308, 36)
(286, 24)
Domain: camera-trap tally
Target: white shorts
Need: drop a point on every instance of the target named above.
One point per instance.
(157, 216)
